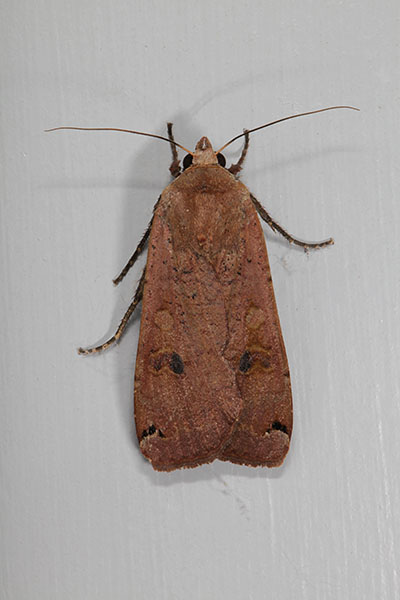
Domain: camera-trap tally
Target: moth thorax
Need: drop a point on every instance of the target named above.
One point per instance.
(204, 153)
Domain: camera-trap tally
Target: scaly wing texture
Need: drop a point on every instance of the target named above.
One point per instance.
(257, 353)
(187, 402)
(211, 375)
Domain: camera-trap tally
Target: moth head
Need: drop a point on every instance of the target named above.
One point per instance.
(204, 155)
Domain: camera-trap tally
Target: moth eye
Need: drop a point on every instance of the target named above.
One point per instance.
(187, 161)
(221, 159)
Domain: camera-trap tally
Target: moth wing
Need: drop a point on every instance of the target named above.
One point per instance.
(257, 354)
(187, 402)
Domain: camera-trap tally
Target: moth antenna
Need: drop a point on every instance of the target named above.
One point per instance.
(311, 112)
(153, 135)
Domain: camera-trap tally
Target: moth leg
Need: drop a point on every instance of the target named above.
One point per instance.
(121, 328)
(138, 251)
(276, 227)
(175, 165)
(135, 255)
(234, 169)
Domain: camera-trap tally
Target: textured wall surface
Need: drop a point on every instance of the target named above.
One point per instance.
(82, 515)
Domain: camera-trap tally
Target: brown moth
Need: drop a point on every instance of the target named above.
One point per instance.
(212, 378)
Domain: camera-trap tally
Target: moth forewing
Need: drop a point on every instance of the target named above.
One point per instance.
(212, 378)
(211, 368)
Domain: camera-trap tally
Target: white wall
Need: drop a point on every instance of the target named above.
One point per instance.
(82, 515)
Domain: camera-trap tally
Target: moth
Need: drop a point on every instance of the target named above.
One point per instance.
(212, 378)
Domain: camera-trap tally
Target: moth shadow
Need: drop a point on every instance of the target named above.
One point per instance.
(294, 158)
(214, 472)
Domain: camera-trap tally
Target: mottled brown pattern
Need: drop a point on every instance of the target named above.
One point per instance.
(208, 300)
(212, 379)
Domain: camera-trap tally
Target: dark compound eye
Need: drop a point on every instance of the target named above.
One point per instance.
(221, 159)
(187, 161)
